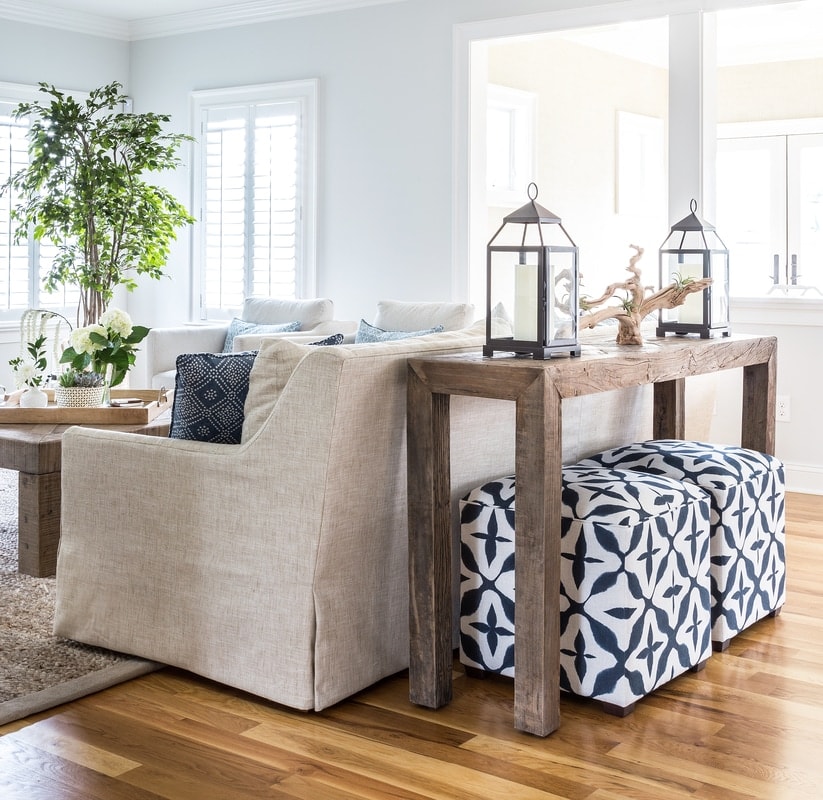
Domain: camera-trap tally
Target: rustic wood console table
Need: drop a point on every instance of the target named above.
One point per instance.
(538, 389)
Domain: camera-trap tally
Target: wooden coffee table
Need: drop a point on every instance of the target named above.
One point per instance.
(35, 451)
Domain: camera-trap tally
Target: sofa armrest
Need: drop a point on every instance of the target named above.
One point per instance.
(163, 345)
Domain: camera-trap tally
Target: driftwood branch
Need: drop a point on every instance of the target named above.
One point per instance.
(637, 304)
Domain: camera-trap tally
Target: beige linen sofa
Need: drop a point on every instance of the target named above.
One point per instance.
(279, 565)
(163, 345)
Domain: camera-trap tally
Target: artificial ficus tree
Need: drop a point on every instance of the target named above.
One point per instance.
(83, 190)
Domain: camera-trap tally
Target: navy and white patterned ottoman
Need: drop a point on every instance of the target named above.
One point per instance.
(634, 600)
(747, 491)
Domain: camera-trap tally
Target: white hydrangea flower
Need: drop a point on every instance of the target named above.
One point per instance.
(80, 338)
(117, 321)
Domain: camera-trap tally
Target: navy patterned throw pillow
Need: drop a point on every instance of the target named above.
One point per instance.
(335, 338)
(209, 395)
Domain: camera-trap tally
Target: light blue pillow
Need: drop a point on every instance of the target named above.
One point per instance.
(239, 327)
(369, 333)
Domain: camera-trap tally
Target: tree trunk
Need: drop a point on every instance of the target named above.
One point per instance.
(90, 308)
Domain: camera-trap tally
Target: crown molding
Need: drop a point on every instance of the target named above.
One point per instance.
(36, 13)
(248, 13)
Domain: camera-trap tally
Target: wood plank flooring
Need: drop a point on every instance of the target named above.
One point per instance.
(749, 726)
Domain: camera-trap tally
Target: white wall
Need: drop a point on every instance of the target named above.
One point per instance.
(384, 213)
(30, 54)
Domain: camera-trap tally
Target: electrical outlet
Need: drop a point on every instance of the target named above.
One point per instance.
(784, 408)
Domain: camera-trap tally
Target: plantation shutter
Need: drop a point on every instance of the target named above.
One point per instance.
(23, 266)
(14, 258)
(251, 204)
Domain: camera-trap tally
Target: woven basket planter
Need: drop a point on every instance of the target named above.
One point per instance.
(78, 396)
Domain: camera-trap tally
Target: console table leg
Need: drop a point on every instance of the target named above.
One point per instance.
(538, 469)
(670, 409)
(38, 522)
(759, 399)
(430, 542)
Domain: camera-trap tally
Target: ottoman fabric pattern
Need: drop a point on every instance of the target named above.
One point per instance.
(634, 598)
(748, 525)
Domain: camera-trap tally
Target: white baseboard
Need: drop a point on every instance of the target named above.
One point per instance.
(804, 478)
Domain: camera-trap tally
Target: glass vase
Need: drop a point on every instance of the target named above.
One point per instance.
(107, 377)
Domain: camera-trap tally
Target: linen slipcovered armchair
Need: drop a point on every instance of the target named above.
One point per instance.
(279, 565)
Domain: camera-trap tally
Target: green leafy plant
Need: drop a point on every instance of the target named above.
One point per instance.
(108, 348)
(30, 371)
(83, 191)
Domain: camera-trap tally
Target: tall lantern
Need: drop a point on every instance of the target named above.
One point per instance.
(693, 249)
(532, 278)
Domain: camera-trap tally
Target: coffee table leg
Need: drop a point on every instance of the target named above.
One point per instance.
(38, 521)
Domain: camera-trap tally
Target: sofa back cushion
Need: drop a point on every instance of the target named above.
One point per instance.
(397, 315)
(272, 369)
(270, 310)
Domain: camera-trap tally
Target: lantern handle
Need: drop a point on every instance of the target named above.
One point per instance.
(693, 206)
(532, 187)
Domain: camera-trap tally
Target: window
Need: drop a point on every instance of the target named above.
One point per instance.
(23, 265)
(641, 164)
(255, 172)
(510, 138)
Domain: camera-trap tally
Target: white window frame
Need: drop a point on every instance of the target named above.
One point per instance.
(521, 106)
(15, 93)
(303, 92)
(641, 163)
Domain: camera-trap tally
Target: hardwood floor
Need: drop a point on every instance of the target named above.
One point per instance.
(749, 726)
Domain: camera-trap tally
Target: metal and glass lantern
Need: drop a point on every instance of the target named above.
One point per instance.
(692, 250)
(532, 278)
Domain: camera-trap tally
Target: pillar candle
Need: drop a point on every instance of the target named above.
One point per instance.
(525, 302)
(691, 312)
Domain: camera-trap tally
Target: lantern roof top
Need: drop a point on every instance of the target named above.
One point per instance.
(692, 222)
(532, 212)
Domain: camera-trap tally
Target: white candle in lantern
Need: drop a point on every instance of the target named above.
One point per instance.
(691, 312)
(525, 302)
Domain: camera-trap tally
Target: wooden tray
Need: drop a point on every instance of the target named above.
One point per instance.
(93, 415)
